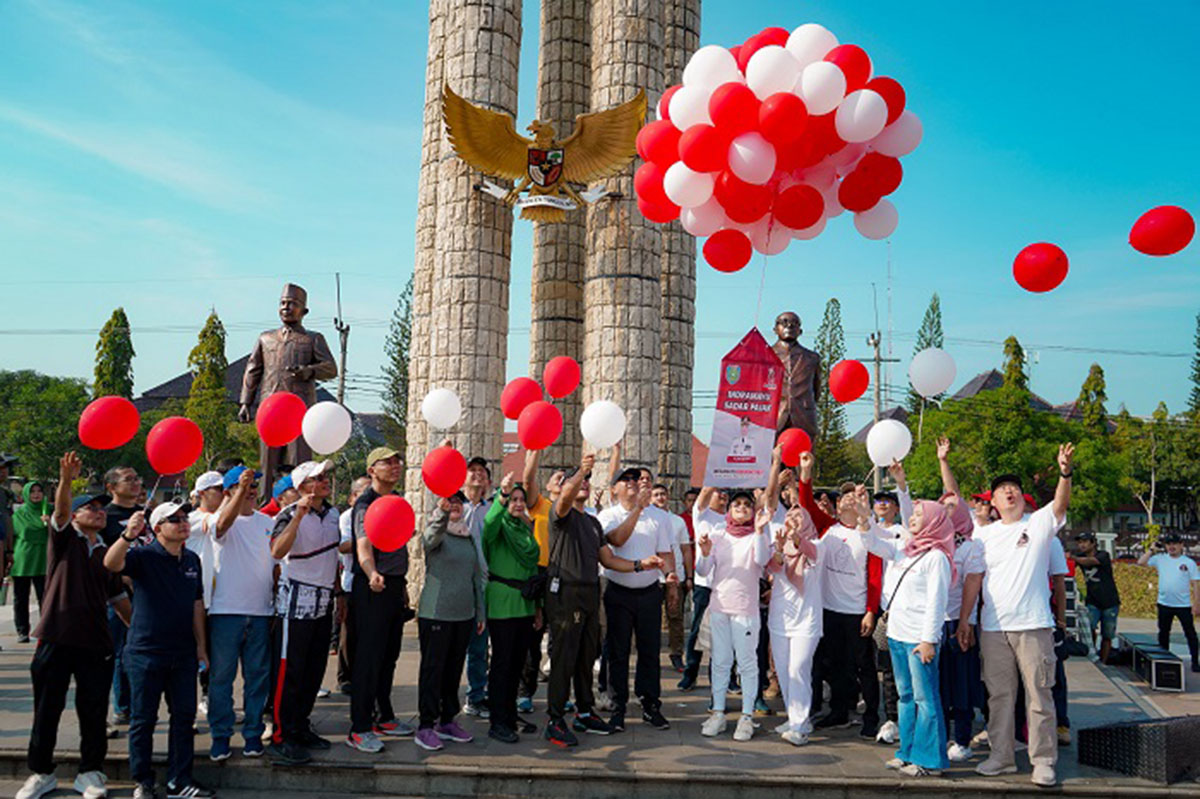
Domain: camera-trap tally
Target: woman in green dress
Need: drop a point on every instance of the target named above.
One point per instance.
(29, 554)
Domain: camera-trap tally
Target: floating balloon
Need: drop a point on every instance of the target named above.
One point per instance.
(444, 471)
(441, 408)
(743, 202)
(689, 106)
(648, 183)
(280, 418)
(793, 442)
(821, 86)
(809, 43)
(861, 116)
(664, 102)
(659, 142)
(848, 380)
(887, 441)
(539, 425)
(327, 427)
(389, 523)
(782, 119)
(770, 239)
(854, 63)
(767, 37)
(710, 66)
(561, 376)
(704, 149)
(686, 187)
(752, 158)
(1164, 230)
(810, 232)
(727, 250)
(799, 207)
(518, 394)
(855, 193)
(771, 69)
(174, 444)
(1040, 267)
(733, 109)
(658, 213)
(884, 172)
(703, 220)
(900, 137)
(931, 372)
(108, 423)
(602, 424)
(877, 222)
(892, 93)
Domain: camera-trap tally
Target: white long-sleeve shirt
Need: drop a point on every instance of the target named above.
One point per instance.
(734, 566)
(916, 604)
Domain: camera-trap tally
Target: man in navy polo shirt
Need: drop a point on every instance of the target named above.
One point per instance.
(166, 643)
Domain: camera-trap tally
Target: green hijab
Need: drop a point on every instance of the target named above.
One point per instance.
(28, 517)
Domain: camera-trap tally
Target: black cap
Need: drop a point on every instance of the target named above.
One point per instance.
(741, 493)
(457, 496)
(1086, 535)
(79, 502)
(1000, 480)
(478, 461)
(629, 474)
(1171, 538)
(885, 495)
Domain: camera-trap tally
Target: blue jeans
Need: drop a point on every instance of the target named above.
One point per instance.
(150, 676)
(922, 727)
(1105, 619)
(247, 638)
(120, 681)
(477, 666)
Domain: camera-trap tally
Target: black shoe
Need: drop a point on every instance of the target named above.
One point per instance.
(288, 754)
(503, 734)
(558, 734)
(144, 792)
(869, 730)
(616, 722)
(193, 790)
(655, 719)
(688, 682)
(677, 663)
(310, 740)
(833, 722)
(1195, 666)
(590, 722)
(23, 638)
(525, 727)
(344, 688)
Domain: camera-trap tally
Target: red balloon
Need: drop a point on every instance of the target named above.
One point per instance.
(1040, 267)
(736, 51)
(782, 118)
(659, 214)
(856, 193)
(279, 417)
(733, 108)
(444, 471)
(659, 142)
(174, 444)
(892, 93)
(539, 425)
(519, 392)
(855, 65)
(822, 130)
(648, 183)
(1164, 230)
(389, 523)
(884, 172)
(704, 149)
(848, 380)
(758, 41)
(799, 207)
(743, 202)
(727, 250)
(664, 102)
(561, 376)
(793, 441)
(108, 423)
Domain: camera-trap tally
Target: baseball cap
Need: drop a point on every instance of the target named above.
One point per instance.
(1000, 480)
(629, 474)
(79, 502)
(308, 470)
(741, 493)
(208, 480)
(1086, 535)
(379, 454)
(231, 476)
(885, 495)
(479, 461)
(168, 509)
(986, 496)
(281, 485)
(1171, 538)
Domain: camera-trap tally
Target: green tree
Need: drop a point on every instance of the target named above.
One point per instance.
(38, 419)
(1091, 401)
(1194, 397)
(928, 335)
(207, 404)
(830, 449)
(395, 370)
(1148, 454)
(114, 358)
(1015, 372)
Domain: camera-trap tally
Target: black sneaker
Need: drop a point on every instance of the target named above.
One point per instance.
(1195, 666)
(503, 734)
(144, 792)
(677, 663)
(688, 682)
(288, 754)
(558, 734)
(310, 740)
(590, 722)
(525, 727)
(616, 722)
(192, 790)
(833, 722)
(869, 730)
(655, 719)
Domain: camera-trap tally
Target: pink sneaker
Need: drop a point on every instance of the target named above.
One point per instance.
(428, 739)
(452, 732)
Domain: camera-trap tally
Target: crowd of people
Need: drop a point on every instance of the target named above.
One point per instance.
(923, 612)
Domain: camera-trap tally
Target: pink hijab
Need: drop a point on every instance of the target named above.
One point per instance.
(797, 558)
(960, 515)
(937, 532)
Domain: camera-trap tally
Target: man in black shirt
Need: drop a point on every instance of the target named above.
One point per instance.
(123, 485)
(1103, 601)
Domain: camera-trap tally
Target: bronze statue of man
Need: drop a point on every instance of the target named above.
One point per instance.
(801, 376)
(288, 359)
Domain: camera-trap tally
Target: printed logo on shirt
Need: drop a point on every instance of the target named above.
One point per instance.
(1183, 567)
(1023, 540)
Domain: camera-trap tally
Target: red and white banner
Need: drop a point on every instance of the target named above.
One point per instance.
(743, 434)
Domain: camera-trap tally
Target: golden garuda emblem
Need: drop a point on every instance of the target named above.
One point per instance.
(602, 144)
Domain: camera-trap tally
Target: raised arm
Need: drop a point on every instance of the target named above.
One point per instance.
(529, 477)
(1062, 494)
(570, 486)
(283, 537)
(69, 466)
(949, 483)
(435, 529)
(230, 509)
(620, 534)
(771, 496)
(821, 520)
(114, 556)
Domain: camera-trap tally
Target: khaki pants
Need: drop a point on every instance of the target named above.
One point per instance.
(1027, 656)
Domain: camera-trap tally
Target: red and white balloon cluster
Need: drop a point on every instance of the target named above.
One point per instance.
(765, 142)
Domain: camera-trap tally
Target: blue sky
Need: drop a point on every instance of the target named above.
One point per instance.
(174, 157)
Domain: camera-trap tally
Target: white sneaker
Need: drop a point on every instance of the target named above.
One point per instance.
(745, 728)
(92, 785)
(784, 727)
(994, 768)
(913, 770)
(202, 707)
(888, 733)
(37, 785)
(957, 753)
(895, 764)
(604, 704)
(715, 724)
(322, 693)
(1044, 777)
(795, 738)
(981, 739)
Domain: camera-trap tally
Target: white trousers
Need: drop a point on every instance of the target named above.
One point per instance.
(793, 666)
(734, 637)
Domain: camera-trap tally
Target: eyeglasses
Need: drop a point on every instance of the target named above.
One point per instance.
(176, 519)
(137, 478)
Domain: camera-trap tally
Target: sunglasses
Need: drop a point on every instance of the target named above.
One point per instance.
(176, 519)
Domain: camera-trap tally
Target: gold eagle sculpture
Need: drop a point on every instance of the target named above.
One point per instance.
(602, 144)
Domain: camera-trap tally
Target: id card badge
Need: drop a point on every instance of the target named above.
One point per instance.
(554, 585)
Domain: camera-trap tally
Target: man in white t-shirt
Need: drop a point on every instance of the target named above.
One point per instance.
(1178, 597)
(207, 495)
(673, 591)
(240, 614)
(1016, 624)
(707, 513)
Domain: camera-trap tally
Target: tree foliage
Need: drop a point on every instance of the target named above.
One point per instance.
(1090, 403)
(928, 335)
(1016, 373)
(831, 448)
(395, 370)
(114, 358)
(208, 404)
(1194, 396)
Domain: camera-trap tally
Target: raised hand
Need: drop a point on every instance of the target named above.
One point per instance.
(137, 524)
(806, 466)
(705, 544)
(587, 463)
(862, 504)
(943, 448)
(69, 466)
(762, 519)
(506, 485)
(1066, 454)
(896, 470)
(305, 504)
(643, 498)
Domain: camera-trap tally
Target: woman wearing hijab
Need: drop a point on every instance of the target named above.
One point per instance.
(29, 554)
(794, 618)
(512, 553)
(451, 608)
(915, 590)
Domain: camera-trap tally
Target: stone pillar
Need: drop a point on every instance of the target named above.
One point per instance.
(681, 34)
(564, 91)
(622, 292)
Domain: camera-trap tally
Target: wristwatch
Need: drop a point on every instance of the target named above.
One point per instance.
(637, 565)
(130, 540)
(1066, 475)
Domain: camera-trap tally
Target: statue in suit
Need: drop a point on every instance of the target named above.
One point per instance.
(802, 374)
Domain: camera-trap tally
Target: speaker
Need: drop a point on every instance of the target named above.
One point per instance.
(1162, 750)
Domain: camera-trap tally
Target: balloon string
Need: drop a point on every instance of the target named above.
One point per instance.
(921, 421)
(762, 283)
(150, 496)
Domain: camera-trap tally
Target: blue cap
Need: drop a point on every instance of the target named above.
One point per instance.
(79, 502)
(231, 476)
(281, 485)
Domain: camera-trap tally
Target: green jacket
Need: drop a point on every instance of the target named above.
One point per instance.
(511, 551)
(29, 536)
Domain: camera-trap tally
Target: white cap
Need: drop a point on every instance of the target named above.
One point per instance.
(308, 470)
(208, 480)
(167, 509)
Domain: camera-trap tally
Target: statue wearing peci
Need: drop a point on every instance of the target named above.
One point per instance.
(802, 375)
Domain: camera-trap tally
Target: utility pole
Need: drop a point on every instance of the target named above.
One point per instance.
(343, 330)
(873, 341)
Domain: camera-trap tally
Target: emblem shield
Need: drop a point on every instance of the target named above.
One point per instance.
(732, 374)
(545, 166)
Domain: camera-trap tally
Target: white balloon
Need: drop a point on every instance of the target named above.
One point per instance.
(810, 232)
(810, 42)
(887, 441)
(931, 372)
(822, 176)
(441, 408)
(845, 159)
(689, 106)
(602, 424)
(770, 70)
(832, 206)
(901, 137)
(686, 187)
(752, 158)
(709, 67)
(822, 86)
(703, 220)
(771, 238)
(326, 427)
(861, 116)
(877, 222)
